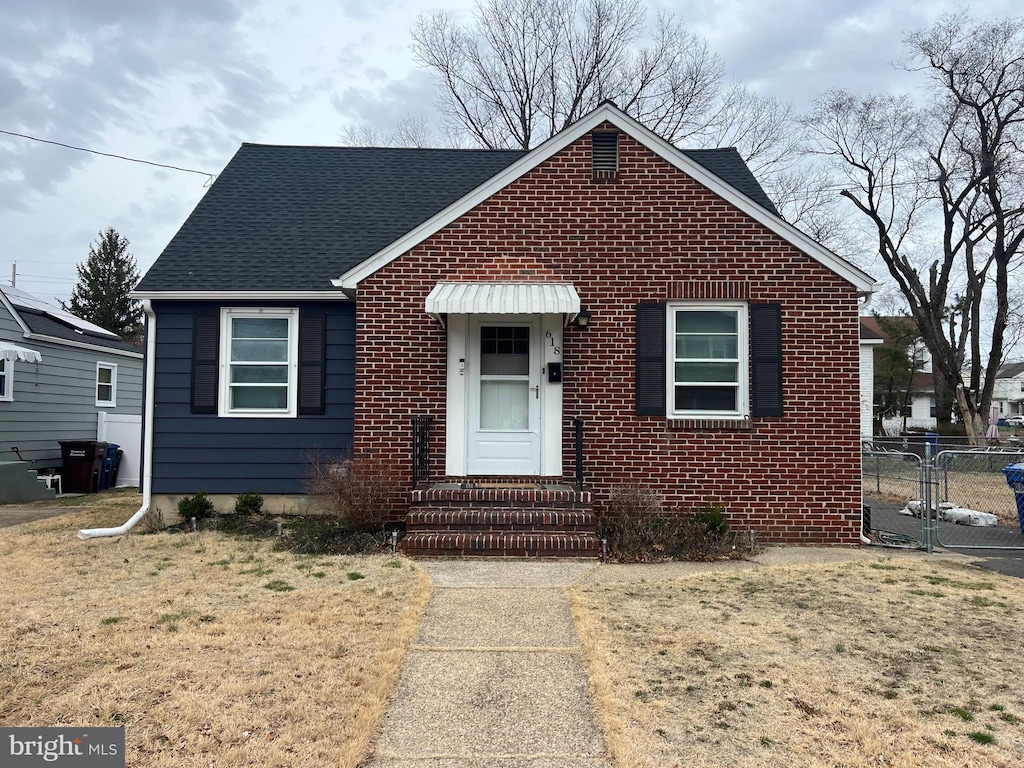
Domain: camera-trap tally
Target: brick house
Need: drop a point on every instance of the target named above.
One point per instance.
(522, 331)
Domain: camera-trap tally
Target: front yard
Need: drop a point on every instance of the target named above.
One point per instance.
(208, 649)
(879, 661)
(217, 650)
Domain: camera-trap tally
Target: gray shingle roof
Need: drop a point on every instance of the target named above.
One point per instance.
(48, 326)
(1009, 370)
(288, 218)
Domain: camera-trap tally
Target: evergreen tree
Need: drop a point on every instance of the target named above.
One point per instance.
(105, 281)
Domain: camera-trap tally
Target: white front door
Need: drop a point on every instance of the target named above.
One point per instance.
(504, 397)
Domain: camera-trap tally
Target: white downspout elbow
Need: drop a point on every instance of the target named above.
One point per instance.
(147, 436)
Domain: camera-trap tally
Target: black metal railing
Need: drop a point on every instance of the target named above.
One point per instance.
(577, 426)
(421, 449)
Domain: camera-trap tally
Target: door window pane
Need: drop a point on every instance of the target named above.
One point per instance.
(504, 350)
(504, 404)
(504, 377)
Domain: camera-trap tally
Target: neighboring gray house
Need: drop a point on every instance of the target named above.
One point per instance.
(61, 378)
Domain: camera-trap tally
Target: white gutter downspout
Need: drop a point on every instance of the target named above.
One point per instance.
(147, 438)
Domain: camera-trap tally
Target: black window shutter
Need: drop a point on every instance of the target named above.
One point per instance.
(205, 348)
(312, 351)
(650, 359)
(766, 359)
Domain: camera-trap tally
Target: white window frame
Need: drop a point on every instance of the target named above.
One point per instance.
(228, 314)
(742, 360)
(112, 367)
(7, 374)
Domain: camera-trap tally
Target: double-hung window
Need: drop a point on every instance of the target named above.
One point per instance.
(708, 360)
(259, 362)
(6, 380)
(106, 384)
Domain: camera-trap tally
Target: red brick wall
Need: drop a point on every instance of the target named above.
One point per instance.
(652, 234)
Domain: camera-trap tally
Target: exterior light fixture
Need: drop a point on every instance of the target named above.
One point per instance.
(583, 318)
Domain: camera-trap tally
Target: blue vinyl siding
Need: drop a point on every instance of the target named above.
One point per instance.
(236, 455)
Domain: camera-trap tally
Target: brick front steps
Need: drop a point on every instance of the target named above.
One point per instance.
(450, 520)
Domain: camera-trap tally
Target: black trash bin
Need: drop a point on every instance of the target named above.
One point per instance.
(82, 464)
(114, 469)
(107, 470)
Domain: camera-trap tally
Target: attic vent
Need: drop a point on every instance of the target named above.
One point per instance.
(605, 154)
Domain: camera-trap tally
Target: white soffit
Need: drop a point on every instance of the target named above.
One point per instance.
(503, 299)
(14, 353)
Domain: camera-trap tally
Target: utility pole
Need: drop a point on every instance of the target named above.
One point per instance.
(14, 275)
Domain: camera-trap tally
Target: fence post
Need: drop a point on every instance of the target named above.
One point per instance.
(926, 498)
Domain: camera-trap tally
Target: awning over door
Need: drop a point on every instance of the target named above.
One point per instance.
(503, 299)
(14, 353)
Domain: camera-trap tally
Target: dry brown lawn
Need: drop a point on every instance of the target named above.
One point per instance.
(208, 649)
(903, 661)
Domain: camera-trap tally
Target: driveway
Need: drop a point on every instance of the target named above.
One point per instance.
(1009, 562)
(13, 514)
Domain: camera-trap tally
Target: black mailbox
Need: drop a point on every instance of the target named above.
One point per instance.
(554, 372)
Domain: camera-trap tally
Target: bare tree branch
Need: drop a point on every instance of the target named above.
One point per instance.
(955, 169)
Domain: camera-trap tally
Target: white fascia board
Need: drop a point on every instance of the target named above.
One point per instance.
(84, 345)
(607, 113)
(240, 296)
(14, 313)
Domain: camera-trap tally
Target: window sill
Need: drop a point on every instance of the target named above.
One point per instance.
(724, 425)
(257, 415)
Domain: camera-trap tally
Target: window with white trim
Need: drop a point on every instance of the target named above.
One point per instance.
(708, 360)
(106, 384)
(6, 380)
(258, 361)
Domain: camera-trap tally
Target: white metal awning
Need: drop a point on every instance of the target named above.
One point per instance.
(503, 299)
(14, 353)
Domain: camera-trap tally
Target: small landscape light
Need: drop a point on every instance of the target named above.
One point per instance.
(280, 528)
(195, 527)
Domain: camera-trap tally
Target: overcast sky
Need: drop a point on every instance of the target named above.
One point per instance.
(184, 82)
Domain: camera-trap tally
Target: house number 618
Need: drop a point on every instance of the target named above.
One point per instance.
(555, 349)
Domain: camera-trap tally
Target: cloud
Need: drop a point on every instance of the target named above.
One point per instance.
(73, 71)
(384, 106)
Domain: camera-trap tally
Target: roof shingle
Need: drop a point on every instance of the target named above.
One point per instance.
(291, 218)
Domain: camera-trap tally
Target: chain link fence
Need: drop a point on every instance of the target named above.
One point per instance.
(891, 479)
(953, 498)
(975, 507)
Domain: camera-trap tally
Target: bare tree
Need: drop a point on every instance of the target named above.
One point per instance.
(941, 189)
(523, 70)
(411, 131)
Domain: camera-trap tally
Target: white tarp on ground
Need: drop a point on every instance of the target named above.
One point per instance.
(951, 513)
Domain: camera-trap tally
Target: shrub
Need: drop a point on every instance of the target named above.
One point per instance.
(359, 492)
(637, 528)
(198, 506)
(248, 504)
(327, 535)
(712, 518)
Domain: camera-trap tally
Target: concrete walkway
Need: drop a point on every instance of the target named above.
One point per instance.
(495, 678)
